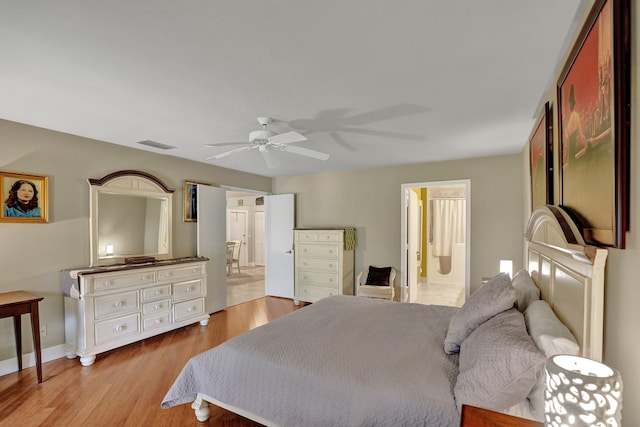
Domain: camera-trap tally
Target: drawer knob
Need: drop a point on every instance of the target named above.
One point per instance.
(190, 309)
(188, 290)
(157, 293)
(121, 328)
(106, 284)
(117, 304)
(156, 307)
(158, 321)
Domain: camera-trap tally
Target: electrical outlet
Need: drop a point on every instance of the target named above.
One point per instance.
(43, 330)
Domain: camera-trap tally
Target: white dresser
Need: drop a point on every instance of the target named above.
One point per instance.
(108, 307)
(323, 263)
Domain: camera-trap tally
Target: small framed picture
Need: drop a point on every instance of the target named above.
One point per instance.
(24, 198)
(190, 194)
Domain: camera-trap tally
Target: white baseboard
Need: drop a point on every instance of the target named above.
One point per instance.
(11, 365)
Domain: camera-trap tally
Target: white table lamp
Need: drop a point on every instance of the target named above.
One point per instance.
(582, 392)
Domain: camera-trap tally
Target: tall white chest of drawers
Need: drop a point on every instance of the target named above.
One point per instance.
(324, 263)
(108, 307)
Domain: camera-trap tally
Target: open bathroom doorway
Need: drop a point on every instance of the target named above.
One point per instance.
(436, 229)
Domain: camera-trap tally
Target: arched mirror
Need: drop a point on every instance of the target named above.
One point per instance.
(130, 217)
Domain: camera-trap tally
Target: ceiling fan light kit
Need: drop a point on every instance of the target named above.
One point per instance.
(267, 141)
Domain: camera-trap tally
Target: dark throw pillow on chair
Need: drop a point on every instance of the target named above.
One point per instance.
(378, 276)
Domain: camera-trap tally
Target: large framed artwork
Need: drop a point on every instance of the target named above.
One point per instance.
(190, 194)
(593, 114)
(541, 160)
(24, 197)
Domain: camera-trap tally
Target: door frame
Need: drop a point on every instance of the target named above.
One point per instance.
(404, 188)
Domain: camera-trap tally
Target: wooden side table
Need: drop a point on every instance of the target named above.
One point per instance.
(478, 417)
(16, 304)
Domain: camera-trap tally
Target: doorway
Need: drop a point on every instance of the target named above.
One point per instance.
(245, 223)
(436, 229)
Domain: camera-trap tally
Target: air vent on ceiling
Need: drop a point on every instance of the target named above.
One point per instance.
(155, 144)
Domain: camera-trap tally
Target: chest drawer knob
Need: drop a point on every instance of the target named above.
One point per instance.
(121, 328)
(157, 293)
(188, 290)
(117, 304)
(158, 321)
(156, 307)
(106, 284)
(190, 309)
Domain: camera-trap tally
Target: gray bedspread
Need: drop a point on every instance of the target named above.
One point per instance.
(342, 361)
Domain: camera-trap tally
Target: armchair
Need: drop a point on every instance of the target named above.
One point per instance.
(376, 282)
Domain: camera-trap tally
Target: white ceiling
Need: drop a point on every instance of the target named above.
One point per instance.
(370, 82)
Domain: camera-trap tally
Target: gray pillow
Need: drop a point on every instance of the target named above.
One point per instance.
(499, 363)
(526, 290)
(552, 337)
(548, 332)
(495, 297)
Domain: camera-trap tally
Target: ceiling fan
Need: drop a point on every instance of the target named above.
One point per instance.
(267, 142)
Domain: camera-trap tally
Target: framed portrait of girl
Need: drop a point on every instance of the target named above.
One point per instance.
(24, 198)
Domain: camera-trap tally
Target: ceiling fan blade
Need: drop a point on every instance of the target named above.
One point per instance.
(270, 159)
(287, 138)
(304, 152)
(228, 153)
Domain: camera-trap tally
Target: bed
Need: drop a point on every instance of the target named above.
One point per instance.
(346, 360)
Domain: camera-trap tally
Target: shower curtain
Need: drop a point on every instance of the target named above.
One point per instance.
(448, 225)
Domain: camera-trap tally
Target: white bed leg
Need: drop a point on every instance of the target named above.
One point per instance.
(201, 407)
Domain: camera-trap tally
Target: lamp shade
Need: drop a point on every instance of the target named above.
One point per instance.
(582, 392)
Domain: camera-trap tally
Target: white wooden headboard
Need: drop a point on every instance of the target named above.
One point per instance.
(570, 275)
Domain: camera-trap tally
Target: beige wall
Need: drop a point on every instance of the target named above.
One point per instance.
(32, 255)
(370, 201)
(622, 292)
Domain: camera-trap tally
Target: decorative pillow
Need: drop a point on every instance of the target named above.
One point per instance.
(499, 363)
(378, 276)
(495, 297)
(526, 290)
(548, 332)
(552, 337)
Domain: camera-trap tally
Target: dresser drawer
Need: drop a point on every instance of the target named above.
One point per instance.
(318, 265)
(117, 328)
(116, 304)
(156, 293)
(181, 273)
(156, 307)
(188, 290)
(329, 237)
(317, 279)
(156, 322)
(314, 293)
(108, 282)
(186, 309)
(318, 251)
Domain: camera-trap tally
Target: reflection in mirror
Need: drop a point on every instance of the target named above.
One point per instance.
(131, 226)
(130, 217)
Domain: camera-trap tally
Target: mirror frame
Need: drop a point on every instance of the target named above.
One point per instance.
(132, 183)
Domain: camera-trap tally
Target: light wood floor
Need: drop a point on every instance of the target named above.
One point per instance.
(125, 386)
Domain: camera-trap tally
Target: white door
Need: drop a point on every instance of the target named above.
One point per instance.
(238, 225)
(279, 223)
(212, 206)
(258, 241)
(413, 241)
